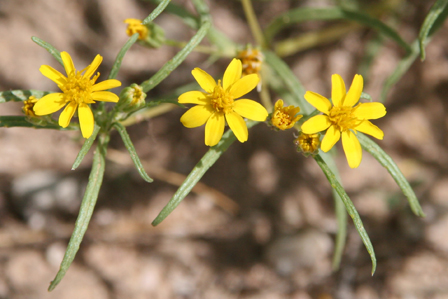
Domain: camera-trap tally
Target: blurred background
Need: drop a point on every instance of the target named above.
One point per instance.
(261, 223)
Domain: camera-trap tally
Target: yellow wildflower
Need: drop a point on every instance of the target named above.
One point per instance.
(344, 118)
(78, 90)
(217, 104)
(308, 143)
(28, 106)
(251, 59)
(136, 26)
(284, 118)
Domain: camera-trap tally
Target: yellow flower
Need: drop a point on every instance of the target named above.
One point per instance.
(28, 106)
(78, 90)
(308, 143)
(136, 26)
(217, 104)
(284, 118)
(251, 59)
(344, 118)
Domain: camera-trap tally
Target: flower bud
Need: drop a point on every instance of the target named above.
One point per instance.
(150, 35)
(131, 98)
(308, 144)
(284, 118)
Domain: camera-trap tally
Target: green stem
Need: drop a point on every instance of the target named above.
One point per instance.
(253, 24)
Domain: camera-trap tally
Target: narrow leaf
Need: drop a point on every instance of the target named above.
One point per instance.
(131, 149)
(52, 50)
(85, 211)
(290, 80)
(119, 59)
(366, 96)
(334, 13)
(86, 147)
(24, 121)
(157, 11)
(349, 207)
(434, 13)
(177, 10)
(198, 172)
(387, 162)
(21, 95)
(178, 59)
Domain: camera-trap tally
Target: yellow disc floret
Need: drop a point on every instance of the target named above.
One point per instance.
(221, 100)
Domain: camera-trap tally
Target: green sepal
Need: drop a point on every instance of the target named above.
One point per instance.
(198, 172)
(351, 210)
(52, 50)
(132, 98)
(86, 147)
(86, 209)
(155, 38)
(131, 149)
(377, 152)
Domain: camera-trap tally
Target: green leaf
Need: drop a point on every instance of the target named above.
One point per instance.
(21, 95)
(52, 50)
(86, 147)
(198, 172)
(341, 214)
(387, 162)
(85, 211)
(157, 11)
(434, 13)
(307, 14)
(349, 207)
(24, 121)
(177, 59)
(119, 59)
(366, 96)
(290, 80)
(131, 149)
(177, 10)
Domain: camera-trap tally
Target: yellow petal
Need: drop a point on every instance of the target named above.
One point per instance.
(86, 120)
(238, 126)
(319, 102)
(331, 137)
(352, 148)
(232, 73)
(337, 90)
(104, 96)
(206, 81)
(369, 128)
(244, 85)
(316, 124)
(53, 75)
(250, 109)
(354, 92)
(68, 63)
(105, 85)
(214, 129)
(67, 114)
(196, 116)
(278, 105)
(193, 97)
(370, 111)
(49, 104)
(93, 67)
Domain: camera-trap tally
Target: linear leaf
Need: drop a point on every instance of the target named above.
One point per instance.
(198, 172)
(177, 59)
(24, 121)
(86, 147)
(119, 59)
(290, 80)
(177, 10)
(157, 11)
(387, 162)
(52, 50)
(335, 13)
(434, 13)
(131, 149)
(21, 95)
(349, 207)
(85, 211)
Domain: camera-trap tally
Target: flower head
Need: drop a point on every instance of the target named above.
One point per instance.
(149, 35)
(218, 104)
(345, 117)
(308, 144)
(78, 91)
(251, 59)
(284, 118)
(28, 106)
(136, 26)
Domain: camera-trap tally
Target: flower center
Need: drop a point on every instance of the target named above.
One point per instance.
(221, 100)
(343, 118)
(78, 89)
